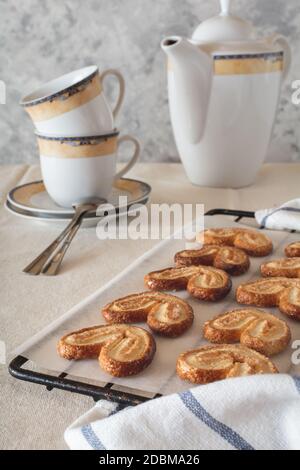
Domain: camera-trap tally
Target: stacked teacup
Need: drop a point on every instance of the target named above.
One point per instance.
(77, 137)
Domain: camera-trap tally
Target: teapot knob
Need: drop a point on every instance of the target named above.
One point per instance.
(225, 7)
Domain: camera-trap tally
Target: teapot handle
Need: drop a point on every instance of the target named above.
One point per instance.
(283, 42)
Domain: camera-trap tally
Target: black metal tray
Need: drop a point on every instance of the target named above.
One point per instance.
(62, 382)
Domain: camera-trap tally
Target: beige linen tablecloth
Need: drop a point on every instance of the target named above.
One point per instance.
(30, 416)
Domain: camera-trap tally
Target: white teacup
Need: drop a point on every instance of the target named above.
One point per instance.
(74, 104)
(78, 169)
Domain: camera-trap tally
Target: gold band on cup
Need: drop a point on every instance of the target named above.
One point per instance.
(67, 101)
(79, 147)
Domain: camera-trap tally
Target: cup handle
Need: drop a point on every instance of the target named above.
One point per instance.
(135, 157)
(282, 41)
(121, 81)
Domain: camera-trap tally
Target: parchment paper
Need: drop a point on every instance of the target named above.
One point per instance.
(160, 376)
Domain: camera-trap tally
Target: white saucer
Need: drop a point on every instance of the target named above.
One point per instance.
(31, 201)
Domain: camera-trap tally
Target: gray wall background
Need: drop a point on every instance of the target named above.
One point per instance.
(42, 39)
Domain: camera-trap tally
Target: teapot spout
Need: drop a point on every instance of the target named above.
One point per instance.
(190, 81)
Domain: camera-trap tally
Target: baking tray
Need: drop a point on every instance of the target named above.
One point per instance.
(36, 361)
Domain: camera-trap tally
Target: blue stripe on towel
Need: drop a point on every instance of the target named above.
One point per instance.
(288, 209)
(297, 382)
(224, 431)
(92, 438)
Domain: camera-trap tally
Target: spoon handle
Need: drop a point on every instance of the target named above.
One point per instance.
(52, 266)
(36, 266)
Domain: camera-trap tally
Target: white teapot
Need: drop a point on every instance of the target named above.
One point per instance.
(224, 88)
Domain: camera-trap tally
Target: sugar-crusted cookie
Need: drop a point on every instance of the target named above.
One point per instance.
(253, 242)
(87, 342)
(202, 282)
(253, 328)
(170, 279)
(133, 308)
(165, 314)
(285, 267)
(293, 250)
(232, 260)
(210, 284)
(289, 302)
(122, 350)
(170, 318)
(128, 355)
(211, 363)
(279, 292)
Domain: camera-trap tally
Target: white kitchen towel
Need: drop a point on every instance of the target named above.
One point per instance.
(285, 217)
(259, 412)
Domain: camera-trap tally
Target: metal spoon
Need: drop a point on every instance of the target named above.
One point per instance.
(48, 264)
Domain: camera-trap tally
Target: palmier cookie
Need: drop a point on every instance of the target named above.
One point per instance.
(170, 318)
(285, 267)
(253, 328)
(211, 363)
(202, 282)
(293, 250)
(254, 243)
(122, 350)
(209, 284)
(165, 314)
(279, 292)
(170, 278)
(232, 260)
(289, 302)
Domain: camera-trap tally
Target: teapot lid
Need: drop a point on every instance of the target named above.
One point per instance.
(224, 27)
